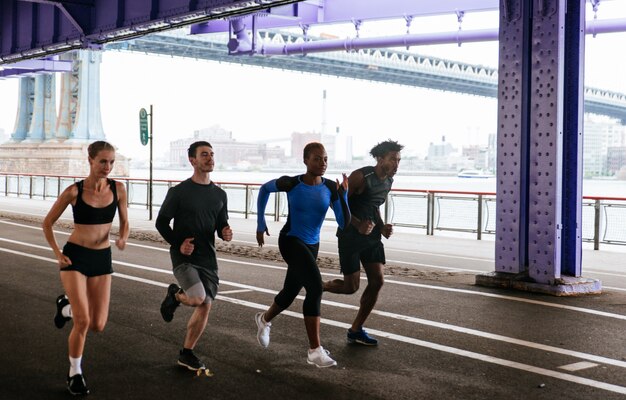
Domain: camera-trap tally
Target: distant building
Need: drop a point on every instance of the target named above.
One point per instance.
(444, 157)
(476, 154)
(440, 150)
(228, 152)
(492, 151)
(330, 144)
(600, 133)
(343, 148)
(616, 159)
(301, 139)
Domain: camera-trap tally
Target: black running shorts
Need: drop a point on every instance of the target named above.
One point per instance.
(89, 262)
(355, 249)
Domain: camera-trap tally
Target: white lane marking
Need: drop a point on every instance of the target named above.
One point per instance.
(222, 292)
(449, 269)
(412, 284)
(455, 328)
(420, 321)
(604, 360)
(518, 299)
(414, 252)
(389, 249)
(21, 253)
(614, 288)
(465, 291)
(142, 280)
(454, 351)
(578, 366)
(25, 244)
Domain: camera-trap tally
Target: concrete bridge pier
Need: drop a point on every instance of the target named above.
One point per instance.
(43, 117)
(26, 95)
(44, 144)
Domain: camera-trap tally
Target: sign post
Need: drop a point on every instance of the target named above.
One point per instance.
(145, 135)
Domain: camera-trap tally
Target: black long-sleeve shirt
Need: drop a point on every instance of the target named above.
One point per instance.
(198, 211)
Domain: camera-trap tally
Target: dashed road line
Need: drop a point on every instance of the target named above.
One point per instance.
(578, 366)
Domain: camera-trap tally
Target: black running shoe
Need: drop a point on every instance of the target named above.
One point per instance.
(189, 360)
(168, 306)
(76, 385)
(59, 319)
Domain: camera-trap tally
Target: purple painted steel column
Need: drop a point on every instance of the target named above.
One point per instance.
(538, 215)
(546, 141)
(512, 157)
(571, 253)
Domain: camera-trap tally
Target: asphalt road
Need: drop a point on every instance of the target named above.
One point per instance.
(441, 336)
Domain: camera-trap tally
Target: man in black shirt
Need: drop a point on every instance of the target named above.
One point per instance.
(199, 210)
(361, 241)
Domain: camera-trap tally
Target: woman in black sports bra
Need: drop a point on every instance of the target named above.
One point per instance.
(85, 261)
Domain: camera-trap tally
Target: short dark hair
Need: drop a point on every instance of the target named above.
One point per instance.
(191, 151)
(382, 148)
(98, 146)
(310, 146)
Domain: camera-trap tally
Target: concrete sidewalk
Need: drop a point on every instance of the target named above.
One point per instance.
(411, 248)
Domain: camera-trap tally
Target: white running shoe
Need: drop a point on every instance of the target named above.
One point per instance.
(263, 332)
(319, 357)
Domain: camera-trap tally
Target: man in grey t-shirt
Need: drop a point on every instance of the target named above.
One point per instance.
(199, 210)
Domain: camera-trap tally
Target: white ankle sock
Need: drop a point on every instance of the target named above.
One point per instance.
(67, 311)
(75, 367)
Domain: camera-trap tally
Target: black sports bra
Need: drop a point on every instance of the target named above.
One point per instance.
(88, 215)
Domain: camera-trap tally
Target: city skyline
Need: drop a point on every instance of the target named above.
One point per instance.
(258, 104)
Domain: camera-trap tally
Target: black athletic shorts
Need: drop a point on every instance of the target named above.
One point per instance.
(89, 262)
(355, 249)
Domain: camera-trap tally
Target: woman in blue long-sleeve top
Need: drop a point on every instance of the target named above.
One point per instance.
(309, 197)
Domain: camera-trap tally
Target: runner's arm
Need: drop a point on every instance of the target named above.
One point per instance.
(122, 206)
(59, 206)
(340, 204)
(166, 213)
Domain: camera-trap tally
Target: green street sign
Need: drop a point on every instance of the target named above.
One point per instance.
(143, 126)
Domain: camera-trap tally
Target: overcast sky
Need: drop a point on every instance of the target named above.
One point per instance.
(256, 103)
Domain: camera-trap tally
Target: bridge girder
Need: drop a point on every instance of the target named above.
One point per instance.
(483, 84)
(37, 28)
(318, 12)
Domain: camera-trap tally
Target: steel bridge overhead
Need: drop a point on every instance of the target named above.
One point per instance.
(36, 28)
(379, 65)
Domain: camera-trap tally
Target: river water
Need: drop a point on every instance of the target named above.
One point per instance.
(591, 187)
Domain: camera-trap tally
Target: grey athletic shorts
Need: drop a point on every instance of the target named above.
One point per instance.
(197, 281)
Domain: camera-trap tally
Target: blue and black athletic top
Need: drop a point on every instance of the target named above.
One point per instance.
(307, 206)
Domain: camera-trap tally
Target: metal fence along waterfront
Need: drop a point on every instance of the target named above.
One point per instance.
(431, 211)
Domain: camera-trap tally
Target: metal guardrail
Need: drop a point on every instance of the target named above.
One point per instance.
(604, 218)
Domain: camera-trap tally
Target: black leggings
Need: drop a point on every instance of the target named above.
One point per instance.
(302, 271)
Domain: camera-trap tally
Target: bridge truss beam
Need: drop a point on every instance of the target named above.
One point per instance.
(381, 65)
(36, 28)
